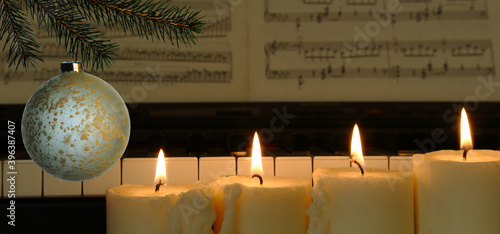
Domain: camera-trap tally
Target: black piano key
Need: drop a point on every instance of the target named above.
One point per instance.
(155, 143)
(237, 144)
(197, 145)
(300, 144)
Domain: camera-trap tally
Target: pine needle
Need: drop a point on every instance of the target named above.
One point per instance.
(68, 21)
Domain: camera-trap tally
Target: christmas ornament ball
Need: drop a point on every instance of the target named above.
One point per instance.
(75, 126)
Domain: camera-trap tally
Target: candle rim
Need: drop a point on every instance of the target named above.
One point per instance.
(270, 182)
(352, 172)
(473, 156)
(147, 191)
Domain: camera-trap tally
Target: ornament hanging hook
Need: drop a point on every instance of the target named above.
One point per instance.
(71, 52)
(73, 65)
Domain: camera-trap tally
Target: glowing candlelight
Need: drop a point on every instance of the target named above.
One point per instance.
(465, 134)
(134, 208)
(467, 188)
(277, 206)
(161, 171)
(357, 150)
(256, 169)
(381, 191)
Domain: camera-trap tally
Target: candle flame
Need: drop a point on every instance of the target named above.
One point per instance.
(465, 133)
(356, 149)
(256, 157)
(161, 171)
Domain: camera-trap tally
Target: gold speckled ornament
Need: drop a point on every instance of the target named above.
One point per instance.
(75, 126)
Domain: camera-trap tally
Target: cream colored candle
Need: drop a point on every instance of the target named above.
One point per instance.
(162, 208)
(277, 206)
(344, 201)
(260, 205)
(173, 209)
(350, 200)
(458, 191)
(456, 195)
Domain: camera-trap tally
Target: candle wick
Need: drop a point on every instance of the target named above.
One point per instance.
(260, 178)
(359, 165)
(159, 184)
(466, 150)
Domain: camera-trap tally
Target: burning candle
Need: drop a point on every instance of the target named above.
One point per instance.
(259, 204)
(352, 200)
(458, 191)
(159, 208)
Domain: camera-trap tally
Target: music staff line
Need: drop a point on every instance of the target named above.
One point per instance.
(368, 2)
(215, 27)
(326, 14)
(129, 53)
(391, 72)
(330, 50)
(187, 76)
(313, 52)
(51, 49)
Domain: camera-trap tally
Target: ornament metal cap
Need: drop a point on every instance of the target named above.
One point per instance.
(71, 66)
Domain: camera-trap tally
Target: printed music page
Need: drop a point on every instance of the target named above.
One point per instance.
(213, 70)
(374, 50)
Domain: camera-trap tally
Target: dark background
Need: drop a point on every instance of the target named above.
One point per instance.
(221, 129)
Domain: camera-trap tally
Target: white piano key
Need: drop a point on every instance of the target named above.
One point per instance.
(299, 167)
(213, 167)
(380, 162)
(331, 162)
(138, 170)
(28, 180)
(98, 186)
(401, 163)
(53, 186)
(245, 164)
(180, 170)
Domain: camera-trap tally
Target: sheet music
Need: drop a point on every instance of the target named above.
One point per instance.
(303, 50)
(372, 50)
(214, 70)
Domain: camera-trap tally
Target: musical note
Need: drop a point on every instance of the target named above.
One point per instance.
(362, 2)
(327, 2)
(365, 10)
(400, 52)
(317, 52)
(216, 27)
(180, 76)
(134, 53)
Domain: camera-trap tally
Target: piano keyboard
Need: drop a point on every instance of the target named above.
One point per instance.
(31, 181)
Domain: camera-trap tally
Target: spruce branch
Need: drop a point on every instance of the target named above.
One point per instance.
(68, 21)
(145, 19)
(79, 37)
(23, 48)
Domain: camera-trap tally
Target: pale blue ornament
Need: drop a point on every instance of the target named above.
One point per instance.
(75, 126)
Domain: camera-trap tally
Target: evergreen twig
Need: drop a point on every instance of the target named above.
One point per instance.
(23, 48)
(145, 19)
(67, 20)
(79, 37)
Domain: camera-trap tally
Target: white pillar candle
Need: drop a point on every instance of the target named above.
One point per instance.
(344, 201)
(458, 191)
(173, 209)
(277, 206)
(264, 205)
(456, 195)
(348, 200)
